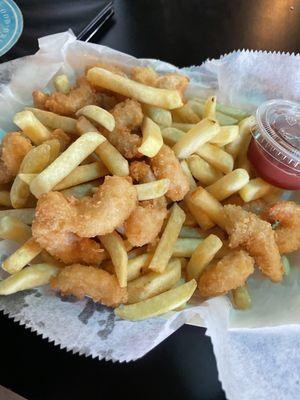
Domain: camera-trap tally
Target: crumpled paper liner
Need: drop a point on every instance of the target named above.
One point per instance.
(256, 350)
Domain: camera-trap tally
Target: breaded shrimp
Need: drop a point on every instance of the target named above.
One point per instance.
(141, 172)
(80, 280)
(49, 228)
(13, 149)
(145, 222)
(256, 236)
(228, 273)
(63, 138)
(145, 75)
(67, 104)
(287, 234)
(173, 81)
(166, 165)
(128, 117)
(39, 99)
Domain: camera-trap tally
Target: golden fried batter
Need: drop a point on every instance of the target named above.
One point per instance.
(63, 138)
(141, 172)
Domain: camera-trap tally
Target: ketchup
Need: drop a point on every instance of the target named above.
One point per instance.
(275, 147)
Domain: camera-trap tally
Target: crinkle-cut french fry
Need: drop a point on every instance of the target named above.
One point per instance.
(63, 165)
(32, 127)
(108, 154)
(22, 256)
(5, 198)
(152, 138)
(159, 304)
(153, 283)
(229, 184)
(13, 229)
(25, 215)
(164, 98)
(186, 170)
(202, 256)
(79, 191)
(182, 127)
(203, 171)
(202, 132)
(241, 298)
(210, 107)
(185, 247)
(226, 135)
(223, 119)
(81, 174)
(28, 278)
(159, 115)
(62, 83)
(201, 217)
(152, 190)
(217, 157)
(235, 147)
(171, 135)
(185, 114)
(99, 115)
(164, 249)
(189, 232)
(114, 245)
(255, 189)
(215, 211)
(54, 121)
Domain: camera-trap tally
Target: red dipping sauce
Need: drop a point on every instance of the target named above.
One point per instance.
(275, 147)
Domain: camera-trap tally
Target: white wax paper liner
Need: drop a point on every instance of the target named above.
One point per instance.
(252, 357)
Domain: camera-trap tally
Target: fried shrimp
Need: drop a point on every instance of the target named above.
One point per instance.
(81, 280)
(63, 138)
(166, 165)
(39, 99)
(13, 149)
(256, 236)
(145, 75)
(128, 118)
(228, 273)
(67, 104)
(287, 234)
(141, 172)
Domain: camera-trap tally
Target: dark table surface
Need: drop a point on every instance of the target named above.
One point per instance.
(183, 32)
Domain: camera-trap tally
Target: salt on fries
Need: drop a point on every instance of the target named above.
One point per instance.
(99, 115)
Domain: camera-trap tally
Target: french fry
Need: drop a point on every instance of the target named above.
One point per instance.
(108, 154)
(164, 249)
(158, 115)
(244, 163)
(28, 278)
(163, 98)
(223, 119)
(171, 135)
(54, 121)
(99, 115)
(226, 135)
(203, 171)
(232, 111)
(25, 215)
(114, 245)
(32, 127)
(159, 304)
(65, 163)
(217, 157)
(22, 256)
(202, 256)
(48, 259)
(152, 138)
(27, 178)
(185, 114)
(201, 217)
(186, 170)
(202, 132)
(5, 198)
(152, 190)
(241, 298)
(183, 127)
(80, 191)
(62, 83)
(81, 174)
(185, 247)
(55, 146)
(14, 229)
(229, 184)
(136, 264)
(208, 204)
(210, 107)
(255, 189)
(153, 283)
(189, 232)
(244, 137)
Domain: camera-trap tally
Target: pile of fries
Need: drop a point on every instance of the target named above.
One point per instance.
(195, 155)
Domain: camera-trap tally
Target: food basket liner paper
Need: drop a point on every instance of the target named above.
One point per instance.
(256, 350)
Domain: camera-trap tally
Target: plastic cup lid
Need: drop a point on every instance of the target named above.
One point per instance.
(278, 131)
(11, 25)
